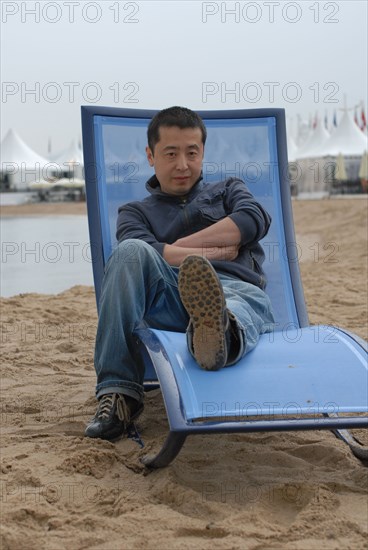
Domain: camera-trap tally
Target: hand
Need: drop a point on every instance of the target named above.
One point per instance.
(221, 253)
(174, 254)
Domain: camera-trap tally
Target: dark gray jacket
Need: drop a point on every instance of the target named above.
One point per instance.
(161, 219)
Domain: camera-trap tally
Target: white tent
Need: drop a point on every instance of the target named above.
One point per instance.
(310, 178)
(346, 146)
(70, 162)
(347, 139)
(317, 160)
(315, 143)
(19, 163)
(67, 172)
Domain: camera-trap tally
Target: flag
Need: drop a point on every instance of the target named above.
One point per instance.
(364, 120)
(334, 119)
(315, 121)
(356, 117)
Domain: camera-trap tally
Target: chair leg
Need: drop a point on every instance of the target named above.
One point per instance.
(358, 450)
(169, 450)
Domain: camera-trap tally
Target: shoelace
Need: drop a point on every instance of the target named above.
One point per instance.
(107, 403)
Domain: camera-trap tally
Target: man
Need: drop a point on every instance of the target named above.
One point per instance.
(189, 260)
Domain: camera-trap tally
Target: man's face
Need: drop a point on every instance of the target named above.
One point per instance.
(177, 159)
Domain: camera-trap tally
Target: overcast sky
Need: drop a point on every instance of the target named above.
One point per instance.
(59, 55)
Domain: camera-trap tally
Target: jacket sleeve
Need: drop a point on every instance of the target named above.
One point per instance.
(251, 218)
(133, 224)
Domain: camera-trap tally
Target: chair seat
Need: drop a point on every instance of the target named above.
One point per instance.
(322, 370)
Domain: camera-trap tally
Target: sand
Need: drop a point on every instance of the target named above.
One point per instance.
(301, 490)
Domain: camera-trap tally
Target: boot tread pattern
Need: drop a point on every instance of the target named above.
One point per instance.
(202, 296)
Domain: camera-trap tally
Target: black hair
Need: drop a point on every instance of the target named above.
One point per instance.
(174, 116)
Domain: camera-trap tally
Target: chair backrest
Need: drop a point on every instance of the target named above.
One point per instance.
(250, 144)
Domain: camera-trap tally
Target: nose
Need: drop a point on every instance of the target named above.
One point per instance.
(181, 162)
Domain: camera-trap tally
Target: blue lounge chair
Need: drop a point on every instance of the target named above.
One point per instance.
(299, 377)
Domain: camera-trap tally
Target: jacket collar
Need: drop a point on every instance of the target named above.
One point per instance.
(153, 187)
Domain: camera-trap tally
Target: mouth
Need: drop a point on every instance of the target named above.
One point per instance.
(181, 178)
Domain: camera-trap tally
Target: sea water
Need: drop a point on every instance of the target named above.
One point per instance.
(45, 254)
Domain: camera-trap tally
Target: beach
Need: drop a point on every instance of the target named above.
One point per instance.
(291, 490)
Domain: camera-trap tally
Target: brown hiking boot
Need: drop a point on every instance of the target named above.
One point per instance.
(202, 296)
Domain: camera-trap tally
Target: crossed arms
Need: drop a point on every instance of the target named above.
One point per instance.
(219, 241)
(154, 221)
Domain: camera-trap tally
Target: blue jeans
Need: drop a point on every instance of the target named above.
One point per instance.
(140, 286)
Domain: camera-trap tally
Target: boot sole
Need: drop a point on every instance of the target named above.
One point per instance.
(202, 296)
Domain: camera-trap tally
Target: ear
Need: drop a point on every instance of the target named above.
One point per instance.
(149, 156)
